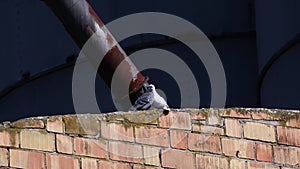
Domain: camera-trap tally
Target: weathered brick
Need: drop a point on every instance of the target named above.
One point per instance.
(29, 123)
(206, 143)
(177, 159)
(263, 116)
(176, 120)
(37, 140)
(236, 113)
(26, 159)
(178, 139)
(152, 136)
(203, 162)
(90, 147)
(88, 163)
(233, 128)
(144, 167)
(237, 164)
(116, 132)
(254, 131)
(255, 165)
(59, 161)
(208, 129)
(238, 148)
(213, 118)
(55, 124)
(151, 155)
(82, 124)
(125, 152)
(289, 136)
(3, 157)
(294, 122)
(113, 165)
(263, 152)
(64, 144)
(9, 138)
(198, 116)
(286, 155)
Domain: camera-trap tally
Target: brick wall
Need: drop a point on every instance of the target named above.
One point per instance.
(206, 138)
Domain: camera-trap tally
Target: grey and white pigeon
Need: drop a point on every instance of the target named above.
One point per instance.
(150, 99)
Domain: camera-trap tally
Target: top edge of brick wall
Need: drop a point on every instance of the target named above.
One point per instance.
(151, 117)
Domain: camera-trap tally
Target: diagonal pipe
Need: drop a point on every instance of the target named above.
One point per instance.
(81, 22)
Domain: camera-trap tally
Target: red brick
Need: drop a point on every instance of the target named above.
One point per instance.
(88, 163)
(64, 144)
(177, 159)
(90, 147)
(263, 116)
(26, 159)
(3, 157)
(178, 139)
(176, 120)
(203, 162)
(263, 152)
(116, 132)
(59, 161)
(233, 128)
(288, 136)
(152, 136)
(37, 140)
(238, 148)
(208, 129)
(9, 138)
(28, 123)
(82, 124)
(285, 155)
(206, 143)
(55, 124)
(254, 131)
(144, 167)
(294, 122)
(113, 165)
(125, 152)
(237, 164)
(151, 155)
(236, 113)
(255, 165)
(199, 116)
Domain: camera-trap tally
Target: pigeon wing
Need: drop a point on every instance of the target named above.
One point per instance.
(144, 102)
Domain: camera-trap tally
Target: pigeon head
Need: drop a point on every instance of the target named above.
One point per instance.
(152, 86)
(148, 88)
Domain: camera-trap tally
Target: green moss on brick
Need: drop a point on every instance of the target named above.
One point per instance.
(240, 111)
(82, 124)
(54, 118)
(72, 125)
(227, 112)
(282, 116)
(27, 123)
(13, 133)
(196, 112)
(132, 119)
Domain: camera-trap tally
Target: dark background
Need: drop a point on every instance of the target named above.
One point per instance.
(257, 41)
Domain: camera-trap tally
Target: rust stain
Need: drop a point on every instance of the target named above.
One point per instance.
(95, 16)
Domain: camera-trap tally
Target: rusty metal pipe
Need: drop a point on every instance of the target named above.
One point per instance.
(81, 22)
